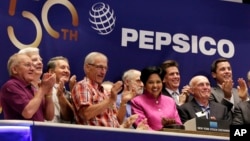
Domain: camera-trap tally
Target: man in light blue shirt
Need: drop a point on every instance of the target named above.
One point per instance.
(132, 84)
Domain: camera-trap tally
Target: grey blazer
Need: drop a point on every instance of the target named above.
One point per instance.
(188, 111)
(218, 96)
(241, 113)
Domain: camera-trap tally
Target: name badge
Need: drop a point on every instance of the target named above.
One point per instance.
(200, 114)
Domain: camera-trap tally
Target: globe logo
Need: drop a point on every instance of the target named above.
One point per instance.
(102, 18)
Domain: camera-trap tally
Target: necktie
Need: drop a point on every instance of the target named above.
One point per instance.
(207, 111)
(175, 96)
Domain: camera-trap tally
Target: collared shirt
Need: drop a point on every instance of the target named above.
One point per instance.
(86, 93)
(15, 96)
(57, 108)
(57, 112)
(146, 106)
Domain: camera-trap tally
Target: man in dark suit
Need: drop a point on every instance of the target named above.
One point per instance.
(200, 106)
(224, 92)
(172, 82)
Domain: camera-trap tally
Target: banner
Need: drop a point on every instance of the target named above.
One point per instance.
(133, 34)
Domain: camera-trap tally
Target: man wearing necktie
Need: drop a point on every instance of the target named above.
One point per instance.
(175, 95)
(172, 82)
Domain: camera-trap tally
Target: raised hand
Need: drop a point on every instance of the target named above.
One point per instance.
(60, 88)
(128, 94)
(242, 89)
(47, 83)
(72, 82)
(184, 94)
(183, 98)
(117, 87)
(227, 87)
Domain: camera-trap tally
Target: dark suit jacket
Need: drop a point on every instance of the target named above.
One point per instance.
(165, 92)
(189, 110)
(218, 96)
(241, 113)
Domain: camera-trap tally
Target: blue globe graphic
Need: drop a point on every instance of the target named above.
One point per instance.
(102, 18)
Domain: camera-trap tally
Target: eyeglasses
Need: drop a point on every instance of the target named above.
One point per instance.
(99, 67)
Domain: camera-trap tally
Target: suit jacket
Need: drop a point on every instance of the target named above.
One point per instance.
(217, 110)
(241, 113)
(218, 96)
(165, 92)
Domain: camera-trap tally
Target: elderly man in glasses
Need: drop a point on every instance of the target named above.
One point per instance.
(92, 104)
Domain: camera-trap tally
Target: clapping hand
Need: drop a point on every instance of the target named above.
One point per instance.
(60, 88)
(72, 82)
(47, 83)
(117, 87)
(227, 87)
(184, 94)
(128, 94)
(242, 89)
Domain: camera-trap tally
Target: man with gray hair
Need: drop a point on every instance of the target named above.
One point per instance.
(59, 65)
(19, 98)
(34, 54)
(200, 106)
(132, 86)
(94, 106)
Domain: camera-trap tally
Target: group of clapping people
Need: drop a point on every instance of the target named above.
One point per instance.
(147, 99)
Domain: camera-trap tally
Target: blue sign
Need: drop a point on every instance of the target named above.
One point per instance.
(133, 34)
